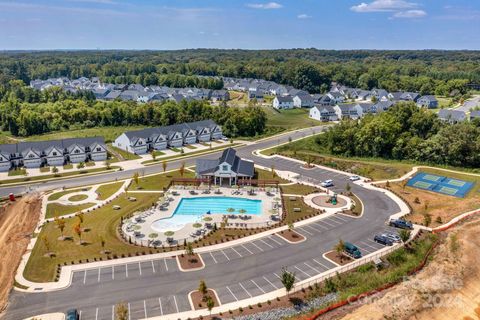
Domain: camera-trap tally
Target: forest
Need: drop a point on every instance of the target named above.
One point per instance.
(426, 71)
(406, 132)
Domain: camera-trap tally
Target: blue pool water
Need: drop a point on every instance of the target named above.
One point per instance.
(190, 210)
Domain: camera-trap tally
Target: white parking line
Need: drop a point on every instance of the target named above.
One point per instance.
(302, 271)
(256, 246)
(270, 283)
(225, 255)
(126, 270)
(145, 308)
(113, 272)
(129, 311)
(160, 303)
(363, 249)
(246, 249)
(98, 280)
(258, 286)
(96, 314)
(268, 244)
(245, 290)
(306, 231)
(321, 264)
(340, 218)
(233, 248)
(331, 225)
(232, 293)
(113, 312)
(80, 315)
(276, 241)
(370, 246)
(313, 268)
(276, 275)
(153, 266)
(318, 224)
(175, 300)
(140, 269)
(214, 260)
(311, 227)
(84, 276)
(166, 266)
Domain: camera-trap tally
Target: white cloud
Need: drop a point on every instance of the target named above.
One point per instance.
(266, 6)
(384, 6)
(303, 16)
(410, 14)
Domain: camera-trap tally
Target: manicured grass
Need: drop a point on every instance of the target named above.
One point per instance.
(299, 189)
(89, 164)
(289, 119)
(17, 172)
(45, 169)
(57, 175)
(189, 146)
(58, 195)
(159, 181)
(107, 190)
(159, 153)
(358, 205)
(68, 166)
(58, 210)
(261, 174)
(292, 216)
(444, 102)
(126, 155)
(309, 151)
(109, 133)
(78, 197)
(101, 222)
(435, 204)
(175, 149)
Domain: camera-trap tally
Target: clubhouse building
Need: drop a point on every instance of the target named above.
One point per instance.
(36, 154)
(229, 167)
(160, 138)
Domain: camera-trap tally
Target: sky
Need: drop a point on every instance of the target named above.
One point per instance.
(231, 24)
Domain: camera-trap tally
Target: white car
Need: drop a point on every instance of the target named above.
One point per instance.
(354, 178)
(393, 237)
(327, 183)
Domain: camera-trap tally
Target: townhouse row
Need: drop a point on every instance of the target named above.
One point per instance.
(160, 138)
(52, 153)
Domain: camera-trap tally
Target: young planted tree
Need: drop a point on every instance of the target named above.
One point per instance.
(348, 188)
(154, 155)
(78, 230)
(427, 219)
(210, 304)
(404, 235)
(291, 226)
(54, 170)
(182, 169)
(121, 311)
(288, 279)
(80, 217)
(81, 165)
(203, 289)
(164, 165)
(339, 248)
(107, 165)
(135, 178)
(274, 173)
(46, 243)
(61, 226)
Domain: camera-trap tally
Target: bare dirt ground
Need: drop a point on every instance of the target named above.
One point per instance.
(17, 223)
(448, 288)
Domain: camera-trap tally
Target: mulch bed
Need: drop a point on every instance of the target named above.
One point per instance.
(198, 301)
(350, 213)
(291, 236)
(341, 260)
(190, 261)
(322, 202)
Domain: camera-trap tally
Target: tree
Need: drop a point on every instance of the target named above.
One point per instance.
(291, 226)
(54, 170)
(81, 165)
(102, 243)
(404, 235)
(164, 165)
(46, 243)
(339, 248)
(272, 168)
(189, 249)
(80, 217)
(107, 165)
(61, 226)
(202, 288)
(153, 154)
(210, 304)
(136, 178)
(348, 187)
(427, 219)
(78, 230)
(182, 169)
(288, 279)
(121, 311)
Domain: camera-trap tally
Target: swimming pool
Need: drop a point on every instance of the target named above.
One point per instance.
(189, 210)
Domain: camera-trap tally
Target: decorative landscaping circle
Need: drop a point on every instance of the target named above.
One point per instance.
(78, 197)
(325, 201)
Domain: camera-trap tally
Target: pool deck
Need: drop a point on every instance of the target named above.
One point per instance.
(139, 227)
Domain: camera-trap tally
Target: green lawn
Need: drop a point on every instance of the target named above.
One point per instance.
(175, 149)
(109, 133)
(189, 146)
(17, 172)
(159, 181)
(89, 164)
(102, 222)
(159, 153)
(289, 119)
(298, 189)
(126, 155)
(292, 215)
(58, 195)
(45, 169)
(68, 166)
(78, 197)
(106, 190)
(444, 102)
(58, 210)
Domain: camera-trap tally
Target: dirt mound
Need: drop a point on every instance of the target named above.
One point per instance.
(447, 288)
(17, 223)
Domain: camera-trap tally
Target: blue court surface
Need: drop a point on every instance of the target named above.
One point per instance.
(440, 184)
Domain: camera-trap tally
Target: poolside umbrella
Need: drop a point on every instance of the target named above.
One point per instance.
(169, 233)
(137, 227)
(207, 218)
(197, 225)
(230, 210)
(242, 211)
(152, 237)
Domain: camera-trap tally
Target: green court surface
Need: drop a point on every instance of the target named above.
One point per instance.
(448, 190)
(431, 177)
(422, 185)
(457, 183)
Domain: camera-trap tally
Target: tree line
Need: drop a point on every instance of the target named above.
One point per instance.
(425, 71)
(406, 132)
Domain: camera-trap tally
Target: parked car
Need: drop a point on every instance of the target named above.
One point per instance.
(352, 250)
(327, 183)
(382, 239)
(72, 314)
(393, 237)
(354, 178)
(402, 224)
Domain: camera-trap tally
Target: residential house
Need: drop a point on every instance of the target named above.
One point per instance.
(336, 97)
(303, 101)
(452, 116)
(428, 101)
(220, 95)
(283, 102)
(323, 113)
(475, 114)
(349, 111)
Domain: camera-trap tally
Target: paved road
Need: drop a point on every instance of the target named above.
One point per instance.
(157, 287)
(469, 104)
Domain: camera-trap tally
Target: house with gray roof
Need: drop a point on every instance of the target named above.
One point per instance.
(160, 138)
(36, 154)
(282, 102)
(323, 113)
(475, 114)
(349, 111)
(428, 101)
(229, 167)
(303, 101)
(452, 116)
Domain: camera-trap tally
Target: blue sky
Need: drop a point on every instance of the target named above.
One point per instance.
(255, 24)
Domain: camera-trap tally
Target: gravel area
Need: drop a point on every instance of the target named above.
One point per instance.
(280, 313)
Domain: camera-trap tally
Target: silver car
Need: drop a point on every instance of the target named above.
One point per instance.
(393, 237)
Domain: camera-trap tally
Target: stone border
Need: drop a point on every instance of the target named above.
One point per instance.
(193, 269)
(192, 306)
(324, 255)
(278, 234)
